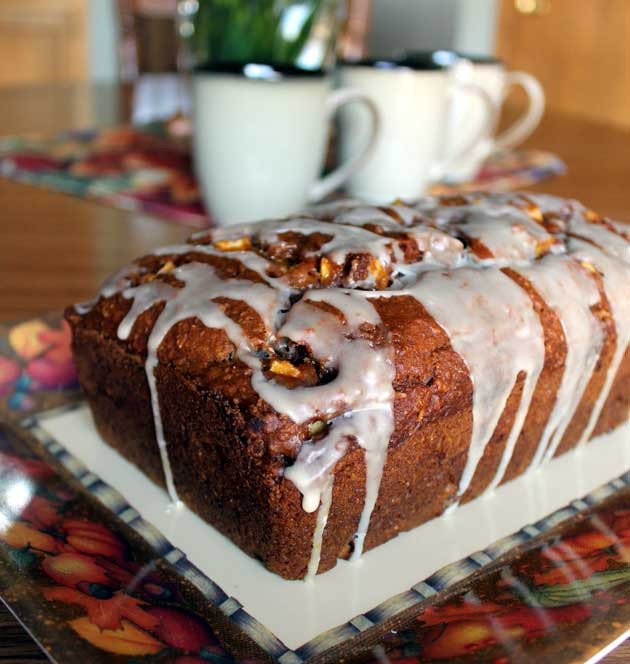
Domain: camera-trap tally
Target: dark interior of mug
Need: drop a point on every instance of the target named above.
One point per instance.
(420, 60)
(263, 71)
(478, 59)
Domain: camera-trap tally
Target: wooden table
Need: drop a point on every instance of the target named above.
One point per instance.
(57, 249)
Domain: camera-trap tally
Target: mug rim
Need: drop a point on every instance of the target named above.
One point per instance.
(481, 59)
(437, 60)
(411, 60)
(261, 71)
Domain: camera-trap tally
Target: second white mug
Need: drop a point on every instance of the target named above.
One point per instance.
(413, 95)
(466, 114)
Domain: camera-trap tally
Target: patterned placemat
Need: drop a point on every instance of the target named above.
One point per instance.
(147, 169)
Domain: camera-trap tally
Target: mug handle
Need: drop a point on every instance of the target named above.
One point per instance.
(526, 124)
(483, 133)
(336, 178)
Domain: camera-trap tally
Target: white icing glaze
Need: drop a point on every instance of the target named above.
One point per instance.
(546, 202)
(145, 297)
(511, 236)
(507, 231)
(361, 368)
(375, 428)
(318, 533)
(250, 260)
(492, 324)
(614, 243)
(365, 214)
(113, 284)
(615, 274)
(570, 292)
(363, 382)
(438, 247)
(362, 387)
(348, 237)
(350, 389)
(349, 211)
(621, 228)
(193, 300)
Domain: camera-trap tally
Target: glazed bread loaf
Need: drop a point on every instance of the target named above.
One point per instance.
(313, 386)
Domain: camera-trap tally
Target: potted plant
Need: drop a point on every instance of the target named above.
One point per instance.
(290, 32)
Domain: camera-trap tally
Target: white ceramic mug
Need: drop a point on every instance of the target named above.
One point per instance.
(490, 74)
(260, 139)
(413, 94)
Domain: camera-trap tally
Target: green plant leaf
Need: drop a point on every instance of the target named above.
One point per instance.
(257, 30)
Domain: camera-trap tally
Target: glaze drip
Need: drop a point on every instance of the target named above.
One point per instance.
(362, 388)
(571, 292)
(485, 309)
(614, 273)
(192, 300)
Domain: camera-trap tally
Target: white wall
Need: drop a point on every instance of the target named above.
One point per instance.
(466, 25)
(475, 26)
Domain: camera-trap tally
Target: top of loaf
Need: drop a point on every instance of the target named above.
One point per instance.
(300, 320)
(348, 244)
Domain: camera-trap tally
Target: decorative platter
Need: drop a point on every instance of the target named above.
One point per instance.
(98, 568)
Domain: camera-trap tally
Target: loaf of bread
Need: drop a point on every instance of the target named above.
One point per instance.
(313, 386)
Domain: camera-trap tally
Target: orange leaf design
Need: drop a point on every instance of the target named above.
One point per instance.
(69, 569)
(580, 546)
(621, 521)
(104, 613)
(20, 534)
(459, 639)
(115, 572)
(40, 512)
(60, 338)
(33, 468)
(574, 570)
(26, 338)
(92, 539)
(456, 612)
(128, 640)
(95, 529)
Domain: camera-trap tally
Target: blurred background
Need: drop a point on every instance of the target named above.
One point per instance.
(574, 47)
